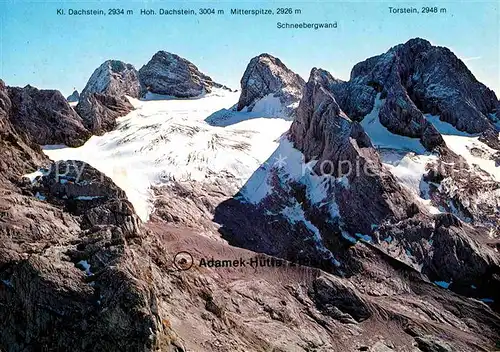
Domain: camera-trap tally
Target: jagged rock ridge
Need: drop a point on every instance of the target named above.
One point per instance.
(65, 236)
(45, 116)
(170, 74)
(100, 111)
(416, 78)
(17, 153)
(267, 76)
(323, 132)
(329, 215)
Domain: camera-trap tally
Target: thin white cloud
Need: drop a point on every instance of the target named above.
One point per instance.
(466, 59)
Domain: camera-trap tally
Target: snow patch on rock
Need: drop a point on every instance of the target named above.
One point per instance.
(463, 146)
(382, 138)
(269, 106)
(408, 168)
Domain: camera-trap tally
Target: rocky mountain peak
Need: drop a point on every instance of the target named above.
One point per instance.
(74, 97)
(104, 99)
(414, 79)
(324, 133)
(319, 108)
(417, 43)
(114, 77)
(267, 76)
(323, 78)
(170, 74)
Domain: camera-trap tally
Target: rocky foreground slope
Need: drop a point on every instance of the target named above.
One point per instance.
(80, 272)
(384, 271)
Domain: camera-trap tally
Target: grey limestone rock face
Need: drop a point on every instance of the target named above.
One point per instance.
(267, 75)
(115, 78)
(170, 74)
(104, 99)
(64, 245)
(80, 272)
(323, 132)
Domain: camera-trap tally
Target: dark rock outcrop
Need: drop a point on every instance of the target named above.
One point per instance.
(170, 74)
(17, 153)
(456, 252)
(418, 78)
(84, 191)
(267, 75)
(100, 111)
(64, 274)
(80, 272)
(74, 97)
(335, 297)
(374, 221)
(445, 249)
(46, 117)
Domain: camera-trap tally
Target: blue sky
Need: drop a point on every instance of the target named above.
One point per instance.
(61, 52)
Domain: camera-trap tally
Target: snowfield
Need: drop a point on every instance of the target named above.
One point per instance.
(201, 139)
(169, 139)
(408, 160)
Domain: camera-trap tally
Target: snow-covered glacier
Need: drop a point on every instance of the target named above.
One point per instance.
(167, 139)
